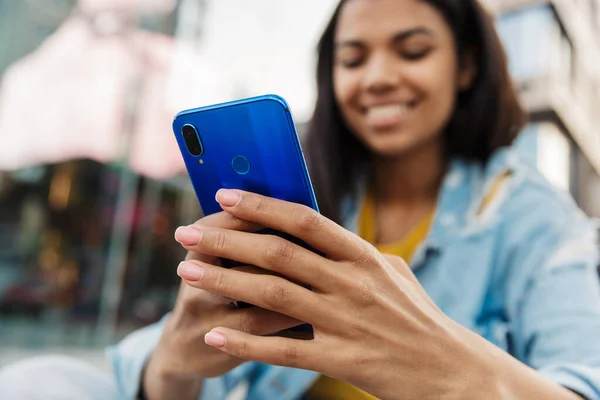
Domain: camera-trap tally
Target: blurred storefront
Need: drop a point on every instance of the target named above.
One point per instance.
(86, 231)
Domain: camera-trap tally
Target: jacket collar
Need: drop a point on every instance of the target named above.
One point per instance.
(462, 192)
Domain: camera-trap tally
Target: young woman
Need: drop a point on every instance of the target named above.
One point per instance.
(450, 269)
(409, 148)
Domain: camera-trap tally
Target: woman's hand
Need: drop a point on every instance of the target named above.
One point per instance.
(374, 325)
(182, 359)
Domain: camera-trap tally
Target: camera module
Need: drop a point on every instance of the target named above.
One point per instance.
(192, 140)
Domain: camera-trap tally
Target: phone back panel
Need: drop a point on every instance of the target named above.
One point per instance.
(260, 130)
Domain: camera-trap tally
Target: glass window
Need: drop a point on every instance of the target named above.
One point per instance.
(536, 43)
(554, 155)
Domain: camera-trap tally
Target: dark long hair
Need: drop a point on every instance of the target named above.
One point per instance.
(486, 117)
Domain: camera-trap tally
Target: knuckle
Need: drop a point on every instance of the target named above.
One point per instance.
(259, 205)
(365, 292)
(276, 295)
(367, 255)
(220, 281)
(288, 355)
(242, 350)
(359, 326)
(279, 250)
(361, 358)
(310, 221)
(219, 240)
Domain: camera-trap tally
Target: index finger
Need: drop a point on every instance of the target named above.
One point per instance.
(302, 222)
(221, 220)
(224, 220)
(191, 298)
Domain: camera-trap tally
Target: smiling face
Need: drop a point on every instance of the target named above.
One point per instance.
(396, 73)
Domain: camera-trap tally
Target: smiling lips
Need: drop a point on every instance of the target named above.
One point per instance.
(387, 116)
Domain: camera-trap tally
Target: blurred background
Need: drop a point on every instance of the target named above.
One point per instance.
(92, 185)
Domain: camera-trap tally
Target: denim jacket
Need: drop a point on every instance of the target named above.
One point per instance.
(522, 273)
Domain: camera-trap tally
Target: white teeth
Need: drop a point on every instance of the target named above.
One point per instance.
(389, 111)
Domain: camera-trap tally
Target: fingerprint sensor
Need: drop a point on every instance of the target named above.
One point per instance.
(241, 165)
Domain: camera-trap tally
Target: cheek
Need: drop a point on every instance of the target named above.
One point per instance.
(437, 84)
(345, 87)
(441, 78)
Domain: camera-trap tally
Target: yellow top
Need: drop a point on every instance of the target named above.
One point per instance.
(405, 247)
(326, 388)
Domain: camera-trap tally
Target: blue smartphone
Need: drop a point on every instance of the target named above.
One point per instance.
(249, 144)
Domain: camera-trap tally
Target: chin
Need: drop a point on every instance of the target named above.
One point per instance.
(391, 148)
(391, 153)
(394, 145)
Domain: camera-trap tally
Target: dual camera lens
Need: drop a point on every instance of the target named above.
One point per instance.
(192, 140)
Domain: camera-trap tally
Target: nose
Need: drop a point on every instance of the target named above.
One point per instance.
(381, 73)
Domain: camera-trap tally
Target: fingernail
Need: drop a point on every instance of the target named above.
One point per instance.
(190, 271)
(228, 198)
(214, 339)
(187, 236)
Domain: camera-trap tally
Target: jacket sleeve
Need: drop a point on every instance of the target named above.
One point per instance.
(128, 359)
(557, 311)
